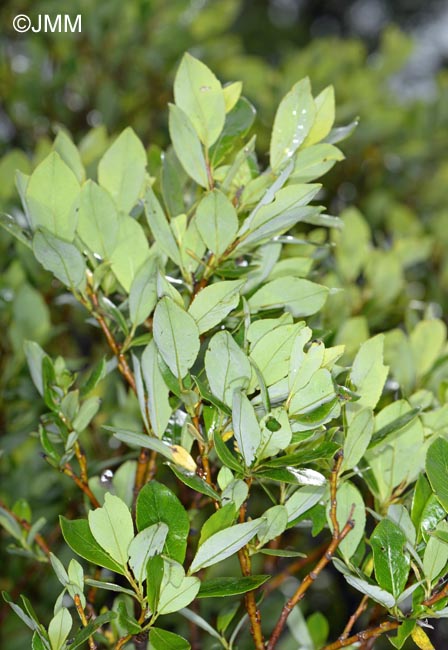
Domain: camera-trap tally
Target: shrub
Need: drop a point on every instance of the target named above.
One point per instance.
(246, 444)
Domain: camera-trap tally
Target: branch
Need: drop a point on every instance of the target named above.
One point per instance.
(280, 578)
(82, 616)
(83, 486)
(372, 633)
(249, 598)
(354, 617)
(443, 593)
(39, 539)
(338, 536)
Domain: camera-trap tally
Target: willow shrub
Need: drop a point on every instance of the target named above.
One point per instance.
(255, 437)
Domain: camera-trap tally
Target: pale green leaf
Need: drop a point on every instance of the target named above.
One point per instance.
(217, 221)
(131, 252)
(69, 153)
(303, 500)
(314, 161)
(143, 293)
(122, 170)
(214, 303)
(160, 228)
(357, 439)
(176, 335)
(59, 628)
(157, 391)
(324, 117)
(98, 220)
(112, 528)
(226, 366)
(296, 295)
(60, 258)
(348, 496)
(223, 544)
(199, 94)
(146, 544)
(52, 196)
(276, 520)
(187, 146)
(293, 121)
(245, 426)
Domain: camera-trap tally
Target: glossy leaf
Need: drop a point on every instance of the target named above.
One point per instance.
(246, 427)
(78, 536)
(293, 121)
(155, 504)
(223, 544)
(437, 469)
(223, 586)
(390, 557)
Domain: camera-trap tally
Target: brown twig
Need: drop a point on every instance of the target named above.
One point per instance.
(249, 598)
(82, 616)
(354, 617)
(296, 566)
(39, 539)
(372, 633)
(443, 593)
(83, 486)
(338, 536)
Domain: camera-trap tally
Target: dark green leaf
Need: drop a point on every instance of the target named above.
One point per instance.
(220, 587)
(77, 534)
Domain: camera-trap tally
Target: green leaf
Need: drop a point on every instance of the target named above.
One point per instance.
(223, 544)
(219, 520)
(155, 568)
(155, 504)
(245, 426)
(437, 469)
(226, 366)
(59, 628)
(324, 117)
(143, 293)
(292, 123)
(403, 632)
(163, 640)
(78, 536)
(347, 496)
(303, 500)
(112, 528)
(126, 621)
(217, 221)
(61, 258)
(225, 455)
(90, 628)
(314, 161)
(214, 303)
(122, 170)
(222, 587)
(157, 391)
(195, 482)
(110, 586)
(374, 592)
(130, 253)
(435, 556)
(391, 559)
(86, 413)
(98, 220)
(276, 520)
(38, 644)
(176, 335)
(199, 94)
(296, 295)
(277, 212)
(358, 436)
(160, 228)
(177, 591)
(427, 340)
(52, 196)
(187, 146)
(318, 392)
(69, 153)
(272, 350)
(276, 433)
(368, 374)
(147, 543)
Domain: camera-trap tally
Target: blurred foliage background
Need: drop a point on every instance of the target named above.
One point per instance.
(387, 62)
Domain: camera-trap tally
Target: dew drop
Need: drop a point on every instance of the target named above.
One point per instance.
(294, 112)
(106, 476)
(303, 111)
(204, 89)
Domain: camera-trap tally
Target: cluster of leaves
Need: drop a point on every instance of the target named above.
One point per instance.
(196, 267)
